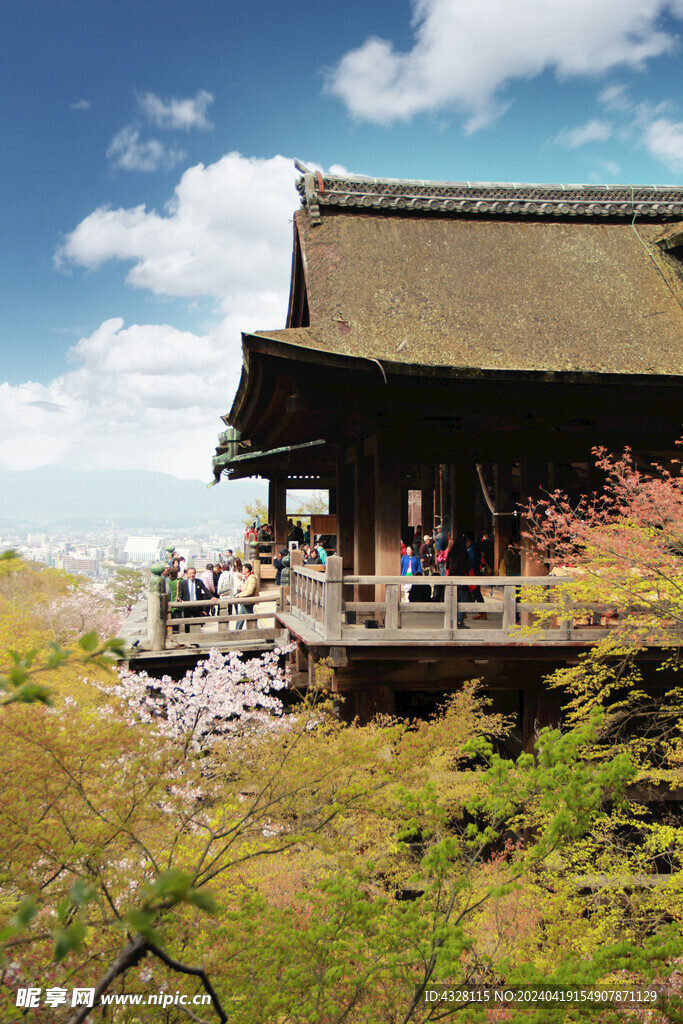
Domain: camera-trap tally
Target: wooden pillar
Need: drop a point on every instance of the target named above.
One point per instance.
(441, 497)
(157, 611)
(533, 478)
(277, 508)
(345, 489)
(541, 709)
(387, 509)
(372, 700)
(404, 515)
(463, 480)
(503, 526)
(364, 521)
(428, 505)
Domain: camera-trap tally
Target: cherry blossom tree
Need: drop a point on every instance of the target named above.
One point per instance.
(623, 547)
(221, 697)
(80, 610)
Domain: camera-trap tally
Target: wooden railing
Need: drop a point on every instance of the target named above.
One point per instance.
(316, 597)
(190, 617)
(329, 605)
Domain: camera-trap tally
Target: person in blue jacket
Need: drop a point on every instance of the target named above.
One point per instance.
(410, 566)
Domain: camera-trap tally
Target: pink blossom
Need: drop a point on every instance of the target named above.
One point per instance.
(221, 697)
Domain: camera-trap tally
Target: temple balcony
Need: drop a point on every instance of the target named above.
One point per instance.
(341, 611)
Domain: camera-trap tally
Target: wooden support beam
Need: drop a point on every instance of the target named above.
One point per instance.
(503, 526)
(345, 507)
(364, 520)
(463, 481)
(428, 506)
(387, 533)
(277, 508)
(392, 597)
(533, 480)
(404, 514)
(541, 708)
(372, 701)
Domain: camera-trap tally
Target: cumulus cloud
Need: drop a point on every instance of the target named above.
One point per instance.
(47, 406)
(226, 234)
(81, 105)
(464, 54)
(128, 152)
(646, 124)
(593, 131)
(149, 396)
(664, 140)
(146, 396)
(615, 97)
(177, 113)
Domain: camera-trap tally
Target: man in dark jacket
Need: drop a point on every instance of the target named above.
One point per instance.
(278, 565)
(474, 557)
(191, 590)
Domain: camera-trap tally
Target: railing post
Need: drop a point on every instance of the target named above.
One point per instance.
(332, 597)
(450, 606)
(256, 566)
(157, 608)
(509, 607)
(392, 597)
(296, 560)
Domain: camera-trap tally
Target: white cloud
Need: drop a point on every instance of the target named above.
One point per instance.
(610, 168)
(129, 153)
(141, 397)
(177, 113)
(149, 396)
(615, 97)
(593, 131)
(465, 54)
(647, 124)
(81, 105)
(226, 234)
(663, 138)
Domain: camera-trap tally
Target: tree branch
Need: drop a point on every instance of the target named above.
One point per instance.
(197, 972)
(133, 953)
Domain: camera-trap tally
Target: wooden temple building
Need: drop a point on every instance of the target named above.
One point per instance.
(470, 342)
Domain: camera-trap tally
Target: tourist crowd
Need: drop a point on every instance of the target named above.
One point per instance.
(462, 555)
(228, 583)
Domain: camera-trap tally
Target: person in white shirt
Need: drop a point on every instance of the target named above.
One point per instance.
(229, 582)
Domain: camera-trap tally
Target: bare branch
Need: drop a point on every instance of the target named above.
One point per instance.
(197, 972)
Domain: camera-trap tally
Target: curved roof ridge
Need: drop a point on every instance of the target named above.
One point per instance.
(360, 192)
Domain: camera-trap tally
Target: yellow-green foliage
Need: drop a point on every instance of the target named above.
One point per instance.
(29, 595)
(319, 874)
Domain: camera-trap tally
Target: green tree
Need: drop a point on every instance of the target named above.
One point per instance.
(298, 506)
(254, 509)
(128, 586)
(337, 870)
(314, 503)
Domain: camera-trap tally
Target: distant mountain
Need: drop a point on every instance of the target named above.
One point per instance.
(56, 494)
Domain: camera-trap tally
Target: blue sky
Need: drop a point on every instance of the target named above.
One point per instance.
(148, 177)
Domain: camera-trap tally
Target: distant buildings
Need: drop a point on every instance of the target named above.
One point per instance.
(144, 550)
(77, 564)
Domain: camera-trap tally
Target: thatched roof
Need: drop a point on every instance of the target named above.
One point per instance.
(425, 281)
(531, 290)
